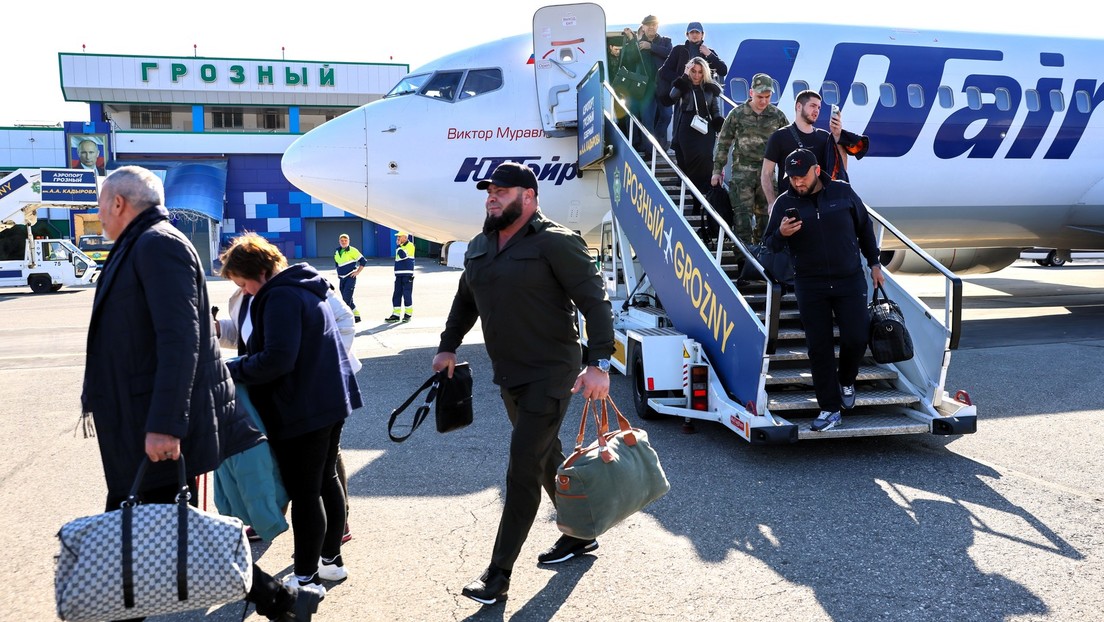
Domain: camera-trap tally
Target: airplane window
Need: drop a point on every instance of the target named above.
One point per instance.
(798, 86)
(1004, 98)
(973, 97)
(1057, 101)
(443, 85)
(1034, 103)
(830, 93)
(859, 94)
(739, 89)
(887, 95)
(408, 85)
(946, 97)
(1083, 101)
(915, 95)
(480, 81)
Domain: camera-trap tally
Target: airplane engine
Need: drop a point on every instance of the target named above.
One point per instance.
(958, 260)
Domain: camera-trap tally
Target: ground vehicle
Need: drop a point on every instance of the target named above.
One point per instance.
(1055, 258)
(44, 265)
(95, 246)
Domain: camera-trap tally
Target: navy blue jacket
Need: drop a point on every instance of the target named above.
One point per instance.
(836, 232)
(295, 365)
(153, 362)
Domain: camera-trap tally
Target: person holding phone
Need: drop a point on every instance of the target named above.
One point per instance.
(829, 234)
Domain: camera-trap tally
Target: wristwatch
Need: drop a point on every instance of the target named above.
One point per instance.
(603, 365)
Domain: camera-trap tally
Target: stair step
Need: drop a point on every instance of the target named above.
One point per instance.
(806, 400)
(856, 423)
(802, 376)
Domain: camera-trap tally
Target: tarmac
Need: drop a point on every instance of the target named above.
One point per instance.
(1004, 524)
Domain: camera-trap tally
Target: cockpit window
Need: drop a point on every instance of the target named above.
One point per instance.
(481, 81)
(443, 85)
(408, 85)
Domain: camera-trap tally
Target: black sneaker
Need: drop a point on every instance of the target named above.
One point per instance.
(406, 318)
(391, 319)
(847, 396)
(566, 548)
(489, 588)
(304, 607)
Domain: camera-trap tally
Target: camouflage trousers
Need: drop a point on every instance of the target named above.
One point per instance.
(749, 205)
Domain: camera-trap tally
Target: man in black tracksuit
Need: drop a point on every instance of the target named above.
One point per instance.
(828, 239)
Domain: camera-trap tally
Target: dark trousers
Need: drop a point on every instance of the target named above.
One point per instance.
(663, 124)
(308, 466)
(535, 453)
(270, 597)
(346, 286)
(404, 291)
(818, 302)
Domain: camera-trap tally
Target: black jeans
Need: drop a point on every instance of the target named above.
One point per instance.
(308, 466)
(270, 597)
(536, 414)
(818, 301)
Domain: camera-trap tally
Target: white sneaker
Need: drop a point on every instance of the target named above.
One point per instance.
(331, 572)
(295, 584)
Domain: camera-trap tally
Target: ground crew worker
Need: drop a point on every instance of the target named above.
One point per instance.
(349, 263)
(404, 279)
(745, 132)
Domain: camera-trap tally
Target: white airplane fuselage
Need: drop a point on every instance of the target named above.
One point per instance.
(1003, 174)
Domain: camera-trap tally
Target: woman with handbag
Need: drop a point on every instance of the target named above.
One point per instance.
(697, 120)
(303, 387)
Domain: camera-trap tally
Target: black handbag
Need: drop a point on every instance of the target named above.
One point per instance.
(778, 265)
(890, 341)
(452, 395)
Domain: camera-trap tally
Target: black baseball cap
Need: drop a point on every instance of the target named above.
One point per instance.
(799, 162)
(510, 175)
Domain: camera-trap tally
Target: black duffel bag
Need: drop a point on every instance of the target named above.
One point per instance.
(890, 341)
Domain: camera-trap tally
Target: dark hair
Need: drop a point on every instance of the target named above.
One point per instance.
(806, 95)
(251, 256)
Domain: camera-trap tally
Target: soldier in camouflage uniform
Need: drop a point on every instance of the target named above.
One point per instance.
(745, 132)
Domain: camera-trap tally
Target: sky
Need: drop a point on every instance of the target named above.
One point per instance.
(392, 32)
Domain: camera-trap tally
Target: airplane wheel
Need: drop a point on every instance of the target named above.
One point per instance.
(40, 284)
(640, 395)
(1054, 261)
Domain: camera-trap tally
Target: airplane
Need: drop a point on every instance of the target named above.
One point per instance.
(981, 145)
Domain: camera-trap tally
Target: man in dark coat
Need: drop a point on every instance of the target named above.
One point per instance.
(154, 381)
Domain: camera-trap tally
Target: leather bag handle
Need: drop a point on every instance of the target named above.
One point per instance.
(128, 505)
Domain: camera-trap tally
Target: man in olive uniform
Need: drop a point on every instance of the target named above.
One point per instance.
(745, 133)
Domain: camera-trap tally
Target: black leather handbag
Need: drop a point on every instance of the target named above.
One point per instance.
(453, 397)
(629, 83)
(890, 341)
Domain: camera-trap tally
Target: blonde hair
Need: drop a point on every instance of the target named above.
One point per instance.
(707, 72)
(251, 256)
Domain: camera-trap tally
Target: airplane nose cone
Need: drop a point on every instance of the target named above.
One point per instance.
(330, 162)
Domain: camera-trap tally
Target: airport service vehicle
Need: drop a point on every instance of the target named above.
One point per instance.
(1056, 258)
(95, 246)
(44, 265)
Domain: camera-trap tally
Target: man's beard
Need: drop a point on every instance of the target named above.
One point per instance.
(510, 213)
(808, 118)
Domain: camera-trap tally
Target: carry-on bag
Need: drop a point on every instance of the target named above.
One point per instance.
(614, 477)
(890, 341)
(150, 559)
(453, 397)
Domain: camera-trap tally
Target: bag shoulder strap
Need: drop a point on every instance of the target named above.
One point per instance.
(797, 137)
(420, 414)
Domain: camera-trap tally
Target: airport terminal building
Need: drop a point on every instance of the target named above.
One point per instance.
(215, 129)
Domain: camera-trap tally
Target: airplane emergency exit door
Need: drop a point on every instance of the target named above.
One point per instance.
(567, 40)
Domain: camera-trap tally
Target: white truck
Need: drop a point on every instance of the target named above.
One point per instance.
(44, 265)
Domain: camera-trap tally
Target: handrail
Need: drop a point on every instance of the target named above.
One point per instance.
(952, 314)
(774, 289)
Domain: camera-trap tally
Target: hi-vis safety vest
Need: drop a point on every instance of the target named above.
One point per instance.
(404, 258)
(346, 260)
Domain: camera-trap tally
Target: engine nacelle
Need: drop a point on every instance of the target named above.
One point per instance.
(957, 260)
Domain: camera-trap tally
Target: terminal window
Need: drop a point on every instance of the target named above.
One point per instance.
(150, 118)
(271, 120)
(226, 118)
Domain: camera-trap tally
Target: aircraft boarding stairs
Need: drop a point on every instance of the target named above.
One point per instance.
(903, 398)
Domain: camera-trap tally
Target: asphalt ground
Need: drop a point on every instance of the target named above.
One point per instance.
(1005, 524)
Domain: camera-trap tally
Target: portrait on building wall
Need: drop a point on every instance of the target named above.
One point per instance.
(88, 151)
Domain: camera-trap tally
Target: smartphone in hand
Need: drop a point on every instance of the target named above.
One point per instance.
(791, 212)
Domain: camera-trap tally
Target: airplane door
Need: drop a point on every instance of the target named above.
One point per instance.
(567, 40)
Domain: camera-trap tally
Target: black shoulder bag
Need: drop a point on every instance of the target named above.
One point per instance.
(453, 397)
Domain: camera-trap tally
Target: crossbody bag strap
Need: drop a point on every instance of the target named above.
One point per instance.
(420, 414)
(797, 137)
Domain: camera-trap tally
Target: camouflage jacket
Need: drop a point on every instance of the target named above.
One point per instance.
(745, 134)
